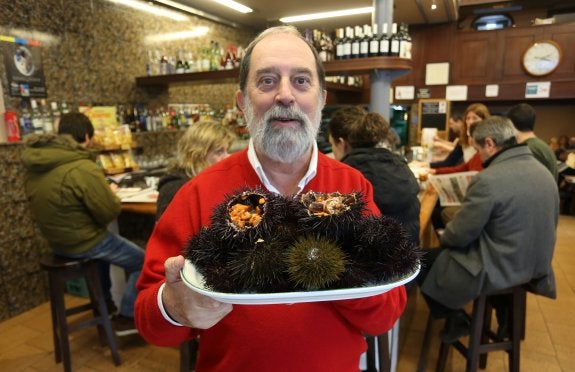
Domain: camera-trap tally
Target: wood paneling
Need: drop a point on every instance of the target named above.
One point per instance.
(478, 58)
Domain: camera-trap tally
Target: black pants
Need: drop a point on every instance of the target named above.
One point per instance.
(437, 309)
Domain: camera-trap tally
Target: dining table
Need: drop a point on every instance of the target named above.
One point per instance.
(428, 197)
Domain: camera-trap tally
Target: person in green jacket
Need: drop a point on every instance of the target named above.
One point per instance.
(73, 204)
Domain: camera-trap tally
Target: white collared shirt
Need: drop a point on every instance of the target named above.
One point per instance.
(255, 163)
(309, 175)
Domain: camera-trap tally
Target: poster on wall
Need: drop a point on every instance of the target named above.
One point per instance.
(23, 65)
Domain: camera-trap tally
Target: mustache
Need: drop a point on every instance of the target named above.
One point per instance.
(279, 113)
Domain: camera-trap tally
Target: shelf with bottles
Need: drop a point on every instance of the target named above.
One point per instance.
(355, 66)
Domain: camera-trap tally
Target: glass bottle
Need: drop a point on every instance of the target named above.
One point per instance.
(36, 118)
(394, 41)
(374, 42)
(384, 42)
(338, 42)
(347, 43)
(364, 42)
(356, 42)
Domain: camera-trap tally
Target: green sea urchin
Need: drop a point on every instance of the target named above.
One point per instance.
(315, 263)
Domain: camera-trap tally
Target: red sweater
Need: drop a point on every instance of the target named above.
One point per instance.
(473, 164)
(315, 336)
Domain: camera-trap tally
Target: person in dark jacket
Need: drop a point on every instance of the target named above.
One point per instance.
(202, 145)
(359, 139)
(73, 205)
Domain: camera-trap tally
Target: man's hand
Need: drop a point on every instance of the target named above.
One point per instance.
(185, 306)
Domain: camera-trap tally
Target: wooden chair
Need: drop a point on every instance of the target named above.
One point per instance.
(60, 270)
(188, 355)
(383, 353)
(482, 339)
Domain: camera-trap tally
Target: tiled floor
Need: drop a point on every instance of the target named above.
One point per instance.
(26, 340)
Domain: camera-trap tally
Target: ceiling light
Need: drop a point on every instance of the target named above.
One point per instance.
(171, 36)
(161, 11)
(433, 5)
(336, 13)
(235, 6)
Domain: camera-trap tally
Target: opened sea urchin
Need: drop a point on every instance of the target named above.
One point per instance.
(315, 263)
(331, 214)
(248, 216)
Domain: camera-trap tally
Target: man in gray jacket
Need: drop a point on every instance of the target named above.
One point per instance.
(503, 235)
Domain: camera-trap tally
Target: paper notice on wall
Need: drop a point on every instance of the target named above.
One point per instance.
(456, 92)
(451, 187)
(539, 89)
(404, 92)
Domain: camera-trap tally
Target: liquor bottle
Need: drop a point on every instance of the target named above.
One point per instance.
(406, 45)
(36, 118)
(338, 42)
(364, 42)
(55, 116)
(180, 67)
(327, 46)
(64, 108)
(384, 42)
(394, 42)
(47, 119)
(322, 45)
(374, 42)
(356, 39)
(25, 119)
(347, 43)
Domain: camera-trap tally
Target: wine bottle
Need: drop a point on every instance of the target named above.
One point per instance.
(374, 42)
(355, 43)
(364, 42)
(406, 45)
(347, 43)
(384, 42)
(394, 42)
(339, 36)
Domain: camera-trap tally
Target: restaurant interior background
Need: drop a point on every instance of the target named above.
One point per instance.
(95, 52)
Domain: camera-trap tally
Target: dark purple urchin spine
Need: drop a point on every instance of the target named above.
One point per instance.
(332, 215)
(315, 263)
(210, 256)
(261, 267)
(384, 249)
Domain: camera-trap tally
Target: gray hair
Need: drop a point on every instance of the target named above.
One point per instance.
(498, 128)
(291, 30)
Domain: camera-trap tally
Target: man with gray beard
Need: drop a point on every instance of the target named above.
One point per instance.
(282, 93)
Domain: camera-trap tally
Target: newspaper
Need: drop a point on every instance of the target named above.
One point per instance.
(451, 187)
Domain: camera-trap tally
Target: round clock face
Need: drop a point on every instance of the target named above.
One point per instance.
(541, 58)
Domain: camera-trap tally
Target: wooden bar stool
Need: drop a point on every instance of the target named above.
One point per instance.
(188, 354)
(482, 339)
(60, 270)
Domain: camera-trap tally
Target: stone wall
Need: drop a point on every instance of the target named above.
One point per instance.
(92, 51)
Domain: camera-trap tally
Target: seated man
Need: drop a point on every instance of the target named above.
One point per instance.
(73, 204)
(523, 118)
(503, 235)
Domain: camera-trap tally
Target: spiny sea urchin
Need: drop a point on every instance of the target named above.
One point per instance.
(260, 267)
(383, 248)
(248, 215)
(331, 215)
(315, 263)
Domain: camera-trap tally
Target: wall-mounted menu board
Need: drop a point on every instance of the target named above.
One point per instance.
(434, 113)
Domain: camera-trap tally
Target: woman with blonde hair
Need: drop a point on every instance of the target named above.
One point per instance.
(203, 144)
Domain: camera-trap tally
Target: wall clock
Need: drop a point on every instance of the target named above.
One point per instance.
(542, 57)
